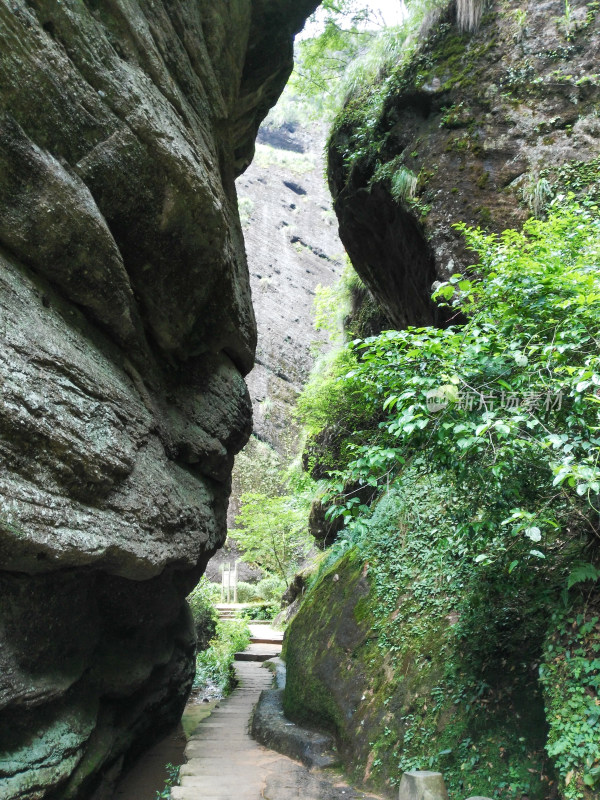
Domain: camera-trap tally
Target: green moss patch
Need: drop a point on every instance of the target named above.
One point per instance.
(418, 661)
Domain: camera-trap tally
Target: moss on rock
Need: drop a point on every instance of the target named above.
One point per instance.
(416, 660)
(475, 116)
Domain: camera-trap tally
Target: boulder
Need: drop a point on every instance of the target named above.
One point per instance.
(486, 129)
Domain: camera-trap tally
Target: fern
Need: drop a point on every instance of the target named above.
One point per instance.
(582, 573)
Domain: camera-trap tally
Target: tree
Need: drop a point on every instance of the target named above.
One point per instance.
(347, 29)
(272, 532)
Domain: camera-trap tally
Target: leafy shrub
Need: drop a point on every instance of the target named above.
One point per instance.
(214, 666)
(246, 592)
(271, 588)
(516, 388)
(262, 611)
(205, 616)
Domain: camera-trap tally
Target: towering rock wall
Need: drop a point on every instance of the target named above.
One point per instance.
(126, 328)
(477, 126)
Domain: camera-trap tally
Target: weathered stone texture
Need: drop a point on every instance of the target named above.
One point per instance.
(126, 328)
(293, 247)
(479, 118)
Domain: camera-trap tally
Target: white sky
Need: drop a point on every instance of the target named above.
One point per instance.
(391, 12)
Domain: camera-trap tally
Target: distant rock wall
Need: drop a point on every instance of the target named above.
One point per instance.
(293, 246)
(126, 328)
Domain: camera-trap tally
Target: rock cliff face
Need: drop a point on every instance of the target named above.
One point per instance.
(125, 330)
(481, 127)
(292, 247)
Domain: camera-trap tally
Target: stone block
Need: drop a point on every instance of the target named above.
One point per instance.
(422, 785)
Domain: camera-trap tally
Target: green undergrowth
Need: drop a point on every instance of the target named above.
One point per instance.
(330, 419)
(214, 666)
(262, 611)
(201, 602)
(171, 780)
(570, 675)
(448, 654)
(454, 625)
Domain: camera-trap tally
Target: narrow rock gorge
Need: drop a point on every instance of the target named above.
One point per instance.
(293, 247)
(126, 331)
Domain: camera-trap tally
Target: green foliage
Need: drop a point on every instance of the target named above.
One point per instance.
(332, 305)
(262, 611)
(322, 61)
(298, 163)
(452, 675)
(171, 780)
(570, 675)
(201, 601)
(246, 207)
(271, 588)
(488, 444)
(214, 666)
(516, 387)
(579, 177)
(272, 532)
(537, 193)
(404, 184)
(246, 592)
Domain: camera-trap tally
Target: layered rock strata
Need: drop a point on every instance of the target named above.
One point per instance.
(126, 328)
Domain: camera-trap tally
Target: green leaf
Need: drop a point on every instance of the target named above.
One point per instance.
(534, 534)
(582, 573)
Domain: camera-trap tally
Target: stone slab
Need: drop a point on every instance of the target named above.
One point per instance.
(422, 785)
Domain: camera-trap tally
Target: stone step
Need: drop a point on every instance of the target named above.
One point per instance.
(226, 763)
(244, 656)
(266, 640)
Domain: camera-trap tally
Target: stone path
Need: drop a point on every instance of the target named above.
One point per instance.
(225, 763)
